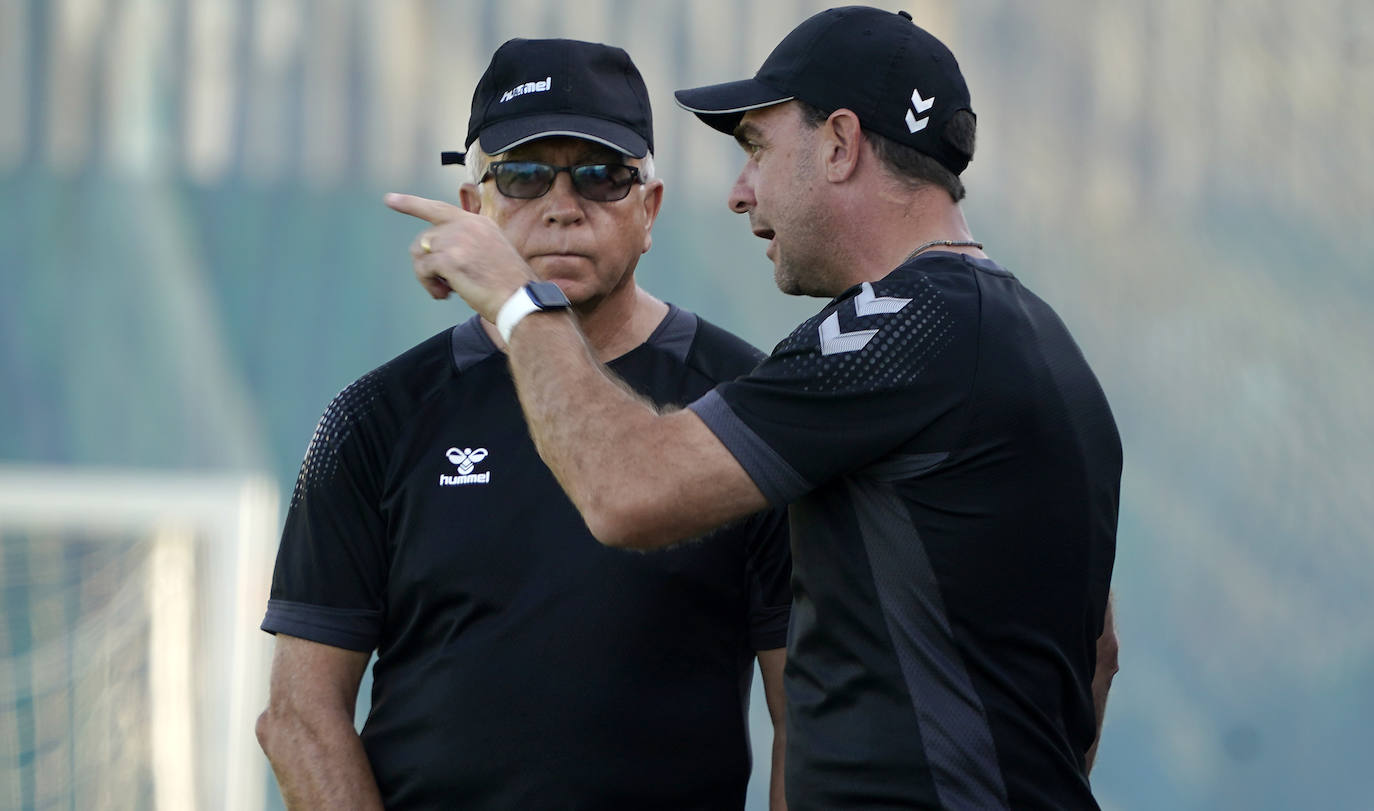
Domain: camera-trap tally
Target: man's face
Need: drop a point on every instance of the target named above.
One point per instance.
(777, 189)
(588, 248)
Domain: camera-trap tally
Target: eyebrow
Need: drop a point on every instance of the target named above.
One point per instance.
(745, 130)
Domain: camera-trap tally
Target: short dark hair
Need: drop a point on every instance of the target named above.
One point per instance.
(916, 168)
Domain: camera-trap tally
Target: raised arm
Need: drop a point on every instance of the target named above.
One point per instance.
(307, 729)
(648, 478)
(639, 478)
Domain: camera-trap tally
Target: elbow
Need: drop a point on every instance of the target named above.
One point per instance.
(266, 729)
(607, 532)
(616, 530)
(275, 729)
(624, 523)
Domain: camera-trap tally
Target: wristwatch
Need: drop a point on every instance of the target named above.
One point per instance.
(530, 298)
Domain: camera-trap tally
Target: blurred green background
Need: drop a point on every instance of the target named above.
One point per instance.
(194, 259)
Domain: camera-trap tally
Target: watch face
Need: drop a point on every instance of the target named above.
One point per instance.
(547, 295)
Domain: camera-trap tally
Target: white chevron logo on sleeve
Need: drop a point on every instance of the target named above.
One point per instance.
(919, 105)
(866, 303)
(869, 303)
(834, 342)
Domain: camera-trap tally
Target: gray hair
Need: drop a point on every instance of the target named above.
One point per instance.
(477, 161)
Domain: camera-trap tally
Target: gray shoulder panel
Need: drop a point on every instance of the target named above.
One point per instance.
(779, 481)
(675, 333)
(470, 344)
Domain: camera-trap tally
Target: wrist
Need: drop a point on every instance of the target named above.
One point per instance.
(531, 298)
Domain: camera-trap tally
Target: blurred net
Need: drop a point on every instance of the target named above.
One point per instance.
(130, 664)
(74, 671)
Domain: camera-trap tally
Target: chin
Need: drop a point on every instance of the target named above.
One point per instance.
(787, 282)
(554, 268)
(793, 282)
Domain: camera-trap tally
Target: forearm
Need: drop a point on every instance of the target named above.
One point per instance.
(319, 762)
(777, 797)
(578, 416)
(771, 664)
(1106, 669)
(626, 467)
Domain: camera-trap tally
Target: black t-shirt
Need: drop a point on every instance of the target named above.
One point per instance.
(521, 664)
(953, 471)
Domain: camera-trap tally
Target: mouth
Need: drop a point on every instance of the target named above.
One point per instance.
(558, 255)
(770, 235)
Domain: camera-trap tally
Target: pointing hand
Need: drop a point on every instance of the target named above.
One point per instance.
(463, 253)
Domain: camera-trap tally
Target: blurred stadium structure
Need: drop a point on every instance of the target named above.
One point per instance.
(193, 260)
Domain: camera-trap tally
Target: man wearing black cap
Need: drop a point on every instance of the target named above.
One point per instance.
(951, 463)
(521, 664)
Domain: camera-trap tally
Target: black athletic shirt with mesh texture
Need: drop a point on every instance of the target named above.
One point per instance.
(520, 663)
(953, 471)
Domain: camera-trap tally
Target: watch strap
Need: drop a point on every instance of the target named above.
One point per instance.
(519, 305)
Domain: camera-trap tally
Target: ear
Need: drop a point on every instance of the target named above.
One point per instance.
(839, 140)
(470, 197)
(653, 201)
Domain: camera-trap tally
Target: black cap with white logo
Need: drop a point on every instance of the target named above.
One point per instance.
(540, 88)
(900, 80)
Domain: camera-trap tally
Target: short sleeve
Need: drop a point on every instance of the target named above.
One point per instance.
(769, 568)
(862, 378)
(330, 577)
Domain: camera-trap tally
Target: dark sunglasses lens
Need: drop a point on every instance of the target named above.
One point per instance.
(523, 179)
(603, 182)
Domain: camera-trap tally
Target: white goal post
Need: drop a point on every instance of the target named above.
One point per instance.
(131, 664)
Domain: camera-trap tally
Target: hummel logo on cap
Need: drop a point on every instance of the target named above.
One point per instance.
(900, 81)
(527, 87)
(540, 88)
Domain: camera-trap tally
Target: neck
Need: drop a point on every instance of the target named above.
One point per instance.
(620, 322)
(614, 325)
(898, 222)
(941, 220)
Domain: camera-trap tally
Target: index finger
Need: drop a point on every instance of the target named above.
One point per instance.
(433, 212)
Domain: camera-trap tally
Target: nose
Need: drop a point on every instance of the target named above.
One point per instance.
(741, 199)
(562, 203)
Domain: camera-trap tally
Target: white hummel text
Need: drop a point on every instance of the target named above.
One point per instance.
(834, 342)
(918, 105)
(465, 459)
(527, 87)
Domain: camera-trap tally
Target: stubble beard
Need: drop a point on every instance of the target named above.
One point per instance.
(801, 271)
(794, 283)
(786, 280)
(805, 269)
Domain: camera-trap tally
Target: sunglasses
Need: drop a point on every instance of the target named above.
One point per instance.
(599, 182)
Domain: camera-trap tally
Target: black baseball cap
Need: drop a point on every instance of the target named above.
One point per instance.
(538, 88)
(899, 79)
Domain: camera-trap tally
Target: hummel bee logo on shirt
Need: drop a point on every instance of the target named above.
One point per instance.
(466, 460)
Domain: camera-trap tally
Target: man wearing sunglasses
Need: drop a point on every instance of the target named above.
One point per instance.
(952, 464)
(520, 663)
